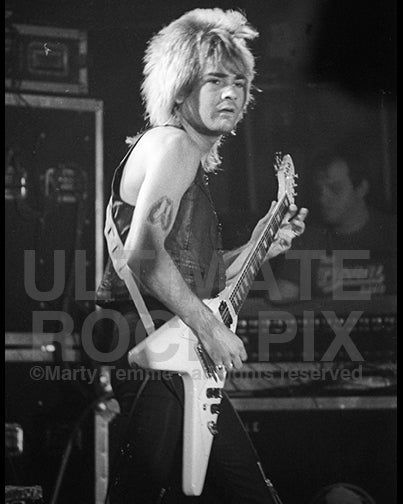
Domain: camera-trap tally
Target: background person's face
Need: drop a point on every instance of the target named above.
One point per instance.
(337, 197)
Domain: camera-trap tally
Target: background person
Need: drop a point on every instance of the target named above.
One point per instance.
(346, 227)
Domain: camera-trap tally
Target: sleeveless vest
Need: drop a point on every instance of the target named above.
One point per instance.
(194, 242)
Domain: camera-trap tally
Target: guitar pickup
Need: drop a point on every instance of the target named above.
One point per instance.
(215, 393)
(225, 314)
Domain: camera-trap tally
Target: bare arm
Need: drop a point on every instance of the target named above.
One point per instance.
(169, 170)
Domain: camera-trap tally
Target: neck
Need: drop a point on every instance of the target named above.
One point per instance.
(356, 220)
(203, 141)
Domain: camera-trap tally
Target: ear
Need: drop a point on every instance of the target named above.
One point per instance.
(363, 188)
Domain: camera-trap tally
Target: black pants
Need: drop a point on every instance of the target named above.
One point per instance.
(147, 467)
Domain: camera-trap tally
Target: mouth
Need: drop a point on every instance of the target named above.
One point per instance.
(227, 111)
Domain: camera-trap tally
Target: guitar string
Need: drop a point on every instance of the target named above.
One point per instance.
(266, 236)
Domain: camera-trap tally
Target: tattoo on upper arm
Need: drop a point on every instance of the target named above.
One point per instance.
(161, 212)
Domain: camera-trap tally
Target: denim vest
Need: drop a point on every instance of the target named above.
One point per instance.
(194, 242)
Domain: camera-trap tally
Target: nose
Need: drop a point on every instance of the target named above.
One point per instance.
(229, 92)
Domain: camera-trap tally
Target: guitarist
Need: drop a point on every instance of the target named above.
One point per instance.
(197, 84)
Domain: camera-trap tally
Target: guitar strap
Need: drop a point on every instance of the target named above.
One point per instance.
(117, 254)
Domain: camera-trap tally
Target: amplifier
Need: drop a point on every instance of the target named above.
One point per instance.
(46, 59)
(42, 347)
(320, 331)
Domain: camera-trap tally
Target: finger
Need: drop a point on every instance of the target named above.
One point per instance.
(284, 243)
(228, 365)
(298, 227)
(301, 216)
(220, 370)
(303, 212)
(297, 222)
(292, 210)
(237, 363)
(285, 233)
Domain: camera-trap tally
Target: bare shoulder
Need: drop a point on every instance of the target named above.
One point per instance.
(163, 156)
(166, 151)
(168, 141)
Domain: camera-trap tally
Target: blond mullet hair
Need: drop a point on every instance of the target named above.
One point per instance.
(176, 55)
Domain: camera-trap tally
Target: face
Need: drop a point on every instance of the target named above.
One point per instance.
(216, 102)
(336, 194)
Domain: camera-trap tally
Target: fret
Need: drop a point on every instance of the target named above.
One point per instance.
(253, 269)
(261, 252)
(248, 278)
(237, 303)
(254, 261)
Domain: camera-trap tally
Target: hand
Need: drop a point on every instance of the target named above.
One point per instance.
(223, 346)
(293, 225)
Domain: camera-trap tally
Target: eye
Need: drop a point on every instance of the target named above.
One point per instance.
(240, 84)
(214, 80)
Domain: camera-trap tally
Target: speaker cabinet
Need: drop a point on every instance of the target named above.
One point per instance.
(305, 449)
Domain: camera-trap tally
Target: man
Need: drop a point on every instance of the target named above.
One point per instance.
(197, 81)
(351, 253)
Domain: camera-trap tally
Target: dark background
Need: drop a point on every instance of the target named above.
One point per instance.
(326, 69)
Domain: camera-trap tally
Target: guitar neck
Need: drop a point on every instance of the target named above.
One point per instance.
(240, 289)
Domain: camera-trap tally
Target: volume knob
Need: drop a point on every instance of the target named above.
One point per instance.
(215, 409)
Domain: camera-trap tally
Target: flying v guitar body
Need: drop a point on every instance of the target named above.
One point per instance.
(174, 347)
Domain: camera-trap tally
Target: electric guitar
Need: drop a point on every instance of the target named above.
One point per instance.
(174, 347)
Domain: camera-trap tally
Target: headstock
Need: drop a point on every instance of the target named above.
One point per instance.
(286, 176)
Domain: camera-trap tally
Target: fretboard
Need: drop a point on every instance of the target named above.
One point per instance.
(256, 257)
